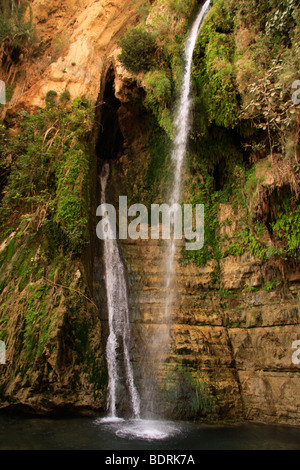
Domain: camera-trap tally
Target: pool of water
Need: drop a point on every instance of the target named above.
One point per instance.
(41, 433)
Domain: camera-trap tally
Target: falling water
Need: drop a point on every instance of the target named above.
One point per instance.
(182, 122)
(160, 342)
(117, 300)
(118, 315)
(182, 126)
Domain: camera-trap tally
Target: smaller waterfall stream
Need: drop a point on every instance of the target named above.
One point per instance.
(118, 316)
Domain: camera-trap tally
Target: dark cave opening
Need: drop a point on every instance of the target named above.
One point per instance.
(220, 175)
(110, 139)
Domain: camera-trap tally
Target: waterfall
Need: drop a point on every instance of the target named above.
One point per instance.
(182, 127)
(118, 316)
(115, 279)
(159, 347)
(182, 122)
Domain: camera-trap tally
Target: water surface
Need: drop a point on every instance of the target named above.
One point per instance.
(41, 433)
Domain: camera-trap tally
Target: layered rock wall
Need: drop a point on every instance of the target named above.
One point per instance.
(239, 340)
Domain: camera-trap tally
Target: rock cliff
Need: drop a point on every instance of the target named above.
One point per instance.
(78, 40)
(232, 324)
(239, 341)
(50, 325)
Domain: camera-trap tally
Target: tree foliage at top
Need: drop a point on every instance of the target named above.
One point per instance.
(138, 47)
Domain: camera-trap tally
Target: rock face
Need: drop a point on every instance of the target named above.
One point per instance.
(79, 39)
(236, 335)
(54, 354)
(240, 341)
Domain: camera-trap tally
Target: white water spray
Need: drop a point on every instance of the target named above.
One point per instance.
(118, 316)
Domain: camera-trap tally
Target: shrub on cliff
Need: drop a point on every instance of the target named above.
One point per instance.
(158, 96)
(138, 48)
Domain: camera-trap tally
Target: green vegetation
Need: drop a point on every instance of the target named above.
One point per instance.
(158, 97)
(158, 168)
(50, 98)
(214, 68)
(138, 47)
(244, 126)
(49, 174)
(45, 209)
(269, 286)
(46, 315)
(36, 323)
(186, 393)
(148, 179)
(287, 228)
(154, 49)
(243, 83)
(212, 169)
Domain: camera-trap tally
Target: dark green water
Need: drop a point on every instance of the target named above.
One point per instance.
(28, 433)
